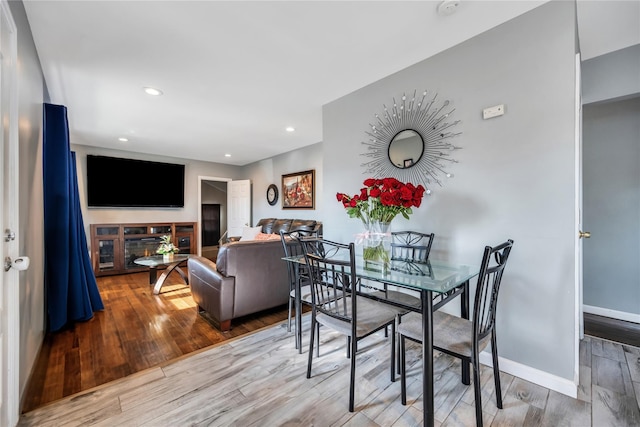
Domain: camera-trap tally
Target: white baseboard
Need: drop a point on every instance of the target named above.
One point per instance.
(536, 376)
(614, 314)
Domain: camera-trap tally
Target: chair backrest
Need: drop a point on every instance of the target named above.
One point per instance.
(291, 243)
(332, 267)
(486, 299)
(411, 246)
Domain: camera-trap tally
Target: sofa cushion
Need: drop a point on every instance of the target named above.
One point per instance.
(303, 224)
(267, 225)
(281, 224)
(274, 225)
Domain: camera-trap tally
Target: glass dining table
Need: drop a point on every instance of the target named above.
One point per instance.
(430, 279)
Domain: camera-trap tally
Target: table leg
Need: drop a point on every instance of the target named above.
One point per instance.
(427, 358)
(182, 274)
(166, 273)
(464, 312)
(464, 300)
(153, 275)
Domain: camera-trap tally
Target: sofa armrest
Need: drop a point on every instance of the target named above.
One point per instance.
(211, 290)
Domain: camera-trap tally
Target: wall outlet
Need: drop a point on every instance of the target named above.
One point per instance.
(495, 111)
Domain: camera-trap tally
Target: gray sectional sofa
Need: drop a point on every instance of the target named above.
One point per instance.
(247, 277)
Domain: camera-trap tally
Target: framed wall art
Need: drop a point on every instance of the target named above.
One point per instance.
(298, 190)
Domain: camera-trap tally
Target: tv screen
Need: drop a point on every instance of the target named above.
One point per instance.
(115, 182)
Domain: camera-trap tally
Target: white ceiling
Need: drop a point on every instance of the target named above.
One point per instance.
(235, 74)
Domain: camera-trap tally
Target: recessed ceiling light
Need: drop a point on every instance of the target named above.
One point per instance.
(122, 139)
(290, 129)
(152, 91)
(227, 155)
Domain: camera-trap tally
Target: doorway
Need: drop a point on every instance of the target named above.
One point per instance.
(212, 214)
(210, 224)
(611, 201)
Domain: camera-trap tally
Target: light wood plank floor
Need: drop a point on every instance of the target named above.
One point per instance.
(259, 380)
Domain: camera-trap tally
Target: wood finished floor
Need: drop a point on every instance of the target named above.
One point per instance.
(136, 331)
(612, 329)
(259, 380)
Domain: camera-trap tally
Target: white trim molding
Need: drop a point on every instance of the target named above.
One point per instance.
(536, 376)
(200, 179)
(614, 314)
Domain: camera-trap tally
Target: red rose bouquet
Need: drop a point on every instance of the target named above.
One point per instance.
(382, 199)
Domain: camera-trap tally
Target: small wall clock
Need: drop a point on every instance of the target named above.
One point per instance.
(272, 194)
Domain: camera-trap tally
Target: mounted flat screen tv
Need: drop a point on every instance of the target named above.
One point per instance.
(116, 182)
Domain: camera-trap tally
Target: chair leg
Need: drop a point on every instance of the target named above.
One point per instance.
(298, 321)
(348, 347)
(477, 392)
(352, 383)
(403, 370)
(313, 328)
(393, 352)
(318, 342)
(289, 320)
(466, 372)
(496, 369)
(398, 320)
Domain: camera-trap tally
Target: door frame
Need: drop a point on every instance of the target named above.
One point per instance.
(200, 180)
(9, 283)
(578, 290)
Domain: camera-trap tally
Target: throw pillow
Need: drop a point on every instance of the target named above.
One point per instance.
(250, 233)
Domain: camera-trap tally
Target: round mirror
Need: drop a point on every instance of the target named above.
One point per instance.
(405, 149)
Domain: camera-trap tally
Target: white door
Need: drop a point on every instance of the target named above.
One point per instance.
(9, 299)
(239, 206)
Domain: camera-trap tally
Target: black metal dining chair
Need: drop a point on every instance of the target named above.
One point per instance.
(411, 246)
(409, 254)
(463, 338)
(407, 248)
(299, 282)
(336, 304)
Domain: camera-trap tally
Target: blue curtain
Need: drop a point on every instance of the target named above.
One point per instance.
(72, 292)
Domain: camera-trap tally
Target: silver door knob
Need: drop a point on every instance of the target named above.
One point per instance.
(584, 234)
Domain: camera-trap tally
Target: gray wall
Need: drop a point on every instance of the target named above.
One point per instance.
(189, 213)
(611, 201)
(515, 177)
(611, 76)
(31, 94)
(270, 171)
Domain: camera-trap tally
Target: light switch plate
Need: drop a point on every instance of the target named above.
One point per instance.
(494, 111)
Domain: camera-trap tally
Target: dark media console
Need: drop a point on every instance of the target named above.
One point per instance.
(115, 247)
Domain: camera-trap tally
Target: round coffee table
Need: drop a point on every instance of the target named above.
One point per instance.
(155, 261)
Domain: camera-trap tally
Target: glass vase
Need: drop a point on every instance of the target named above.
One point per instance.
(376, 246)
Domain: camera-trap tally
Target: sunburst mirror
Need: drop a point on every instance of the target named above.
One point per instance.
(411, 141)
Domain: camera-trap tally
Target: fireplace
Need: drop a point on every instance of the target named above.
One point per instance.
(137, 247)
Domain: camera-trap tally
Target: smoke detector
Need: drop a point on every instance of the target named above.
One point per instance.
(448, 7)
